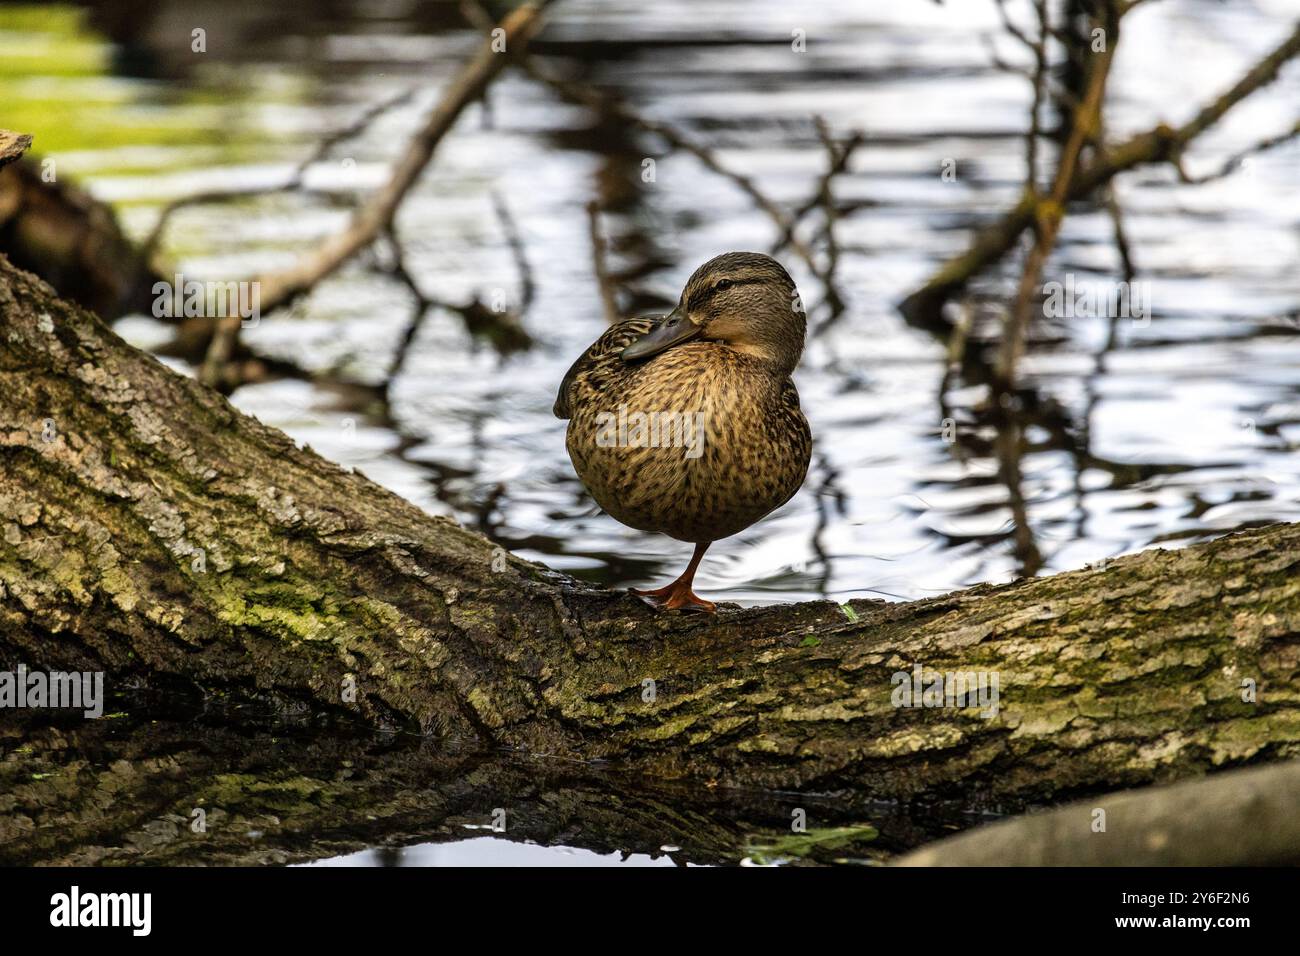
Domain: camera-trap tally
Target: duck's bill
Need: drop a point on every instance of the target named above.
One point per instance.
(673, 329)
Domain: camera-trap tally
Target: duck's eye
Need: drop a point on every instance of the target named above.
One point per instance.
(723, 284)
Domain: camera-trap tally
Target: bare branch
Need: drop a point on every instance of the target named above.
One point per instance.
(293, 183)
(608, 294)
(527, 288)
(1122, 246)
(1009, 25)
(1002, 65)
(1162, 143)
(1040, 84)
(1234, 162)
(836, 157)
(376, 214)
(840, 156)
(601, 103)
(1048, 216)
(503, 329)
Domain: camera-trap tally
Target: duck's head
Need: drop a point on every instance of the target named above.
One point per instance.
(745, 300)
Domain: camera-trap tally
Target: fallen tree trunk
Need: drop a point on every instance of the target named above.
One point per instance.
(153, 532)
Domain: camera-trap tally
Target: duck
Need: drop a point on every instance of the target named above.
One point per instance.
(689, 424)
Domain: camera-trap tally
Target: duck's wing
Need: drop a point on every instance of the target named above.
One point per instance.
(601, 362)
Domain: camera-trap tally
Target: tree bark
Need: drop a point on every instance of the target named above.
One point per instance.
(13, 145)
(150, 530)
(1247, 817)
(130, 791)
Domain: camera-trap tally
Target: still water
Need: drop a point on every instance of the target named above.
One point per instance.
(1166, 428)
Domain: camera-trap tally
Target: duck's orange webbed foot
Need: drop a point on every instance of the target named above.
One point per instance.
(657, 595)
(684, 599)
(679, 596)
(676, 597)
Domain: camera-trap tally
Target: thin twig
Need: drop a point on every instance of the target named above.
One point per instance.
(1234, 162)
(607, 105)
(602, 103)
(294, 182)
(1048, 215)
(1161, 143)
(422, 305)
(834, 153)
(1116, 212)
(527, 288)
(839, 162)
(608, 294)
(1039, 81)
(1010, 26)
(1001, 65)
(1037, 77)
(376, 214)
(503, 329)
(1122, 246)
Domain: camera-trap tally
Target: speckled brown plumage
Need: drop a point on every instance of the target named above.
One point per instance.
(742, 334)
(754, 454)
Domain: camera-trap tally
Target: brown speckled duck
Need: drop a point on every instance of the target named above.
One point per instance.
(689, 424)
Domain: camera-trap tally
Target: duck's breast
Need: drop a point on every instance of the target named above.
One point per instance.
(697, 443)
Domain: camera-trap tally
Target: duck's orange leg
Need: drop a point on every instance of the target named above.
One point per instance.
(678, 595)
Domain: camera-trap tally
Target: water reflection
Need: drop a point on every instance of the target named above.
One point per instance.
(132, 790)
(485, 851)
